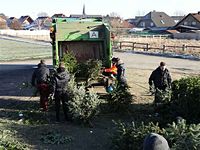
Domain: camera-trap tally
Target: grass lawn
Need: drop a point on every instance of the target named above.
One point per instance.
(16, 50)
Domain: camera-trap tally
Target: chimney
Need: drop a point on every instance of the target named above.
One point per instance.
(84, 10)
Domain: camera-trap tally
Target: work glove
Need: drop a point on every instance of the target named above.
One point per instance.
(112, 76)
(151, 89)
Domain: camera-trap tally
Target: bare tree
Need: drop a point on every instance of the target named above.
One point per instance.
(3, 16)
(140, 13)
(114, 15)
(42, 14)
(179, 13)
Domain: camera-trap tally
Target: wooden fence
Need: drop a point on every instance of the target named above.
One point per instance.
(147, 47)
(160, 36)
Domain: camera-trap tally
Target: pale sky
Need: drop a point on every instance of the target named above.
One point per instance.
(125, 8)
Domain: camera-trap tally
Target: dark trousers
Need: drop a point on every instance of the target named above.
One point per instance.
(122, 82)
(44, 94)
(61, 96)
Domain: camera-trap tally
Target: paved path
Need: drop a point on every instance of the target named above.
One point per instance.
(13, 74)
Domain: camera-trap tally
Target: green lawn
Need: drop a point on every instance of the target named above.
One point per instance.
(16, 50)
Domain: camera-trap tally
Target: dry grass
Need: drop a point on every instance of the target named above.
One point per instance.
(17, 50)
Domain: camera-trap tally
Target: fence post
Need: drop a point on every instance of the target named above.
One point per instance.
(183, 48)
(147, 47)
(133, 46)
(163, 49)
(120, 45)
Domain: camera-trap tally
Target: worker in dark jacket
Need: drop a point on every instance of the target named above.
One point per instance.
(60, 82)
(121, 72)
(40, 80)
(161, 77)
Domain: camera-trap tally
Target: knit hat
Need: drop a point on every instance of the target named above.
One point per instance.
(155, 141)
(114, 59)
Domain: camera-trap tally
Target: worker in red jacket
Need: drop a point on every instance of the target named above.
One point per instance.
(113, 69)
(40, 81)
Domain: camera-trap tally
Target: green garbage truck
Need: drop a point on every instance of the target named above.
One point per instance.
(85, 38)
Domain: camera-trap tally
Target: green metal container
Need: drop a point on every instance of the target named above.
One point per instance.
(86, 38)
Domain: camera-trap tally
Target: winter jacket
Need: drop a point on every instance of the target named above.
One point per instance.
(112, 70)
(121, 73)
(161, 79)
(40, 75)
(61, 79)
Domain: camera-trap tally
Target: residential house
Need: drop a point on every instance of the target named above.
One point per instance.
(58, 16)
(42, 23)
(120, 23)
(13, 23)
(25, 21)
(126, 24)
(135, 20)
(3, 23)
(189, 22)
(156, 20)
(177, 18)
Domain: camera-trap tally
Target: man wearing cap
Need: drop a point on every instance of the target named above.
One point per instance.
(155, 141)
(40, 80)
(161, 78)
(60, 82)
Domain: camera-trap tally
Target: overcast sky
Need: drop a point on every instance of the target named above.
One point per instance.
(125, 8)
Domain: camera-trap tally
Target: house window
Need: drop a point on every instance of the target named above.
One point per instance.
(162, 21)
(194, 23)
(185, 23)
(142, 24)
(176, 21)
(152, 24)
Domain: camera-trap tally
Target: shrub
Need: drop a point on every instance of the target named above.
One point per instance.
(186, 98)
(180, 136)
(82, 104)
(131, 136)
(70, 62)
(120, 99)
(163, 97)
(90, 70)
(8, 142)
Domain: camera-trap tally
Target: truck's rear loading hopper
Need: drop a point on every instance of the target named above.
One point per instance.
(86, 38)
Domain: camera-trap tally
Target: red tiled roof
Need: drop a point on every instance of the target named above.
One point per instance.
(197, 16)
